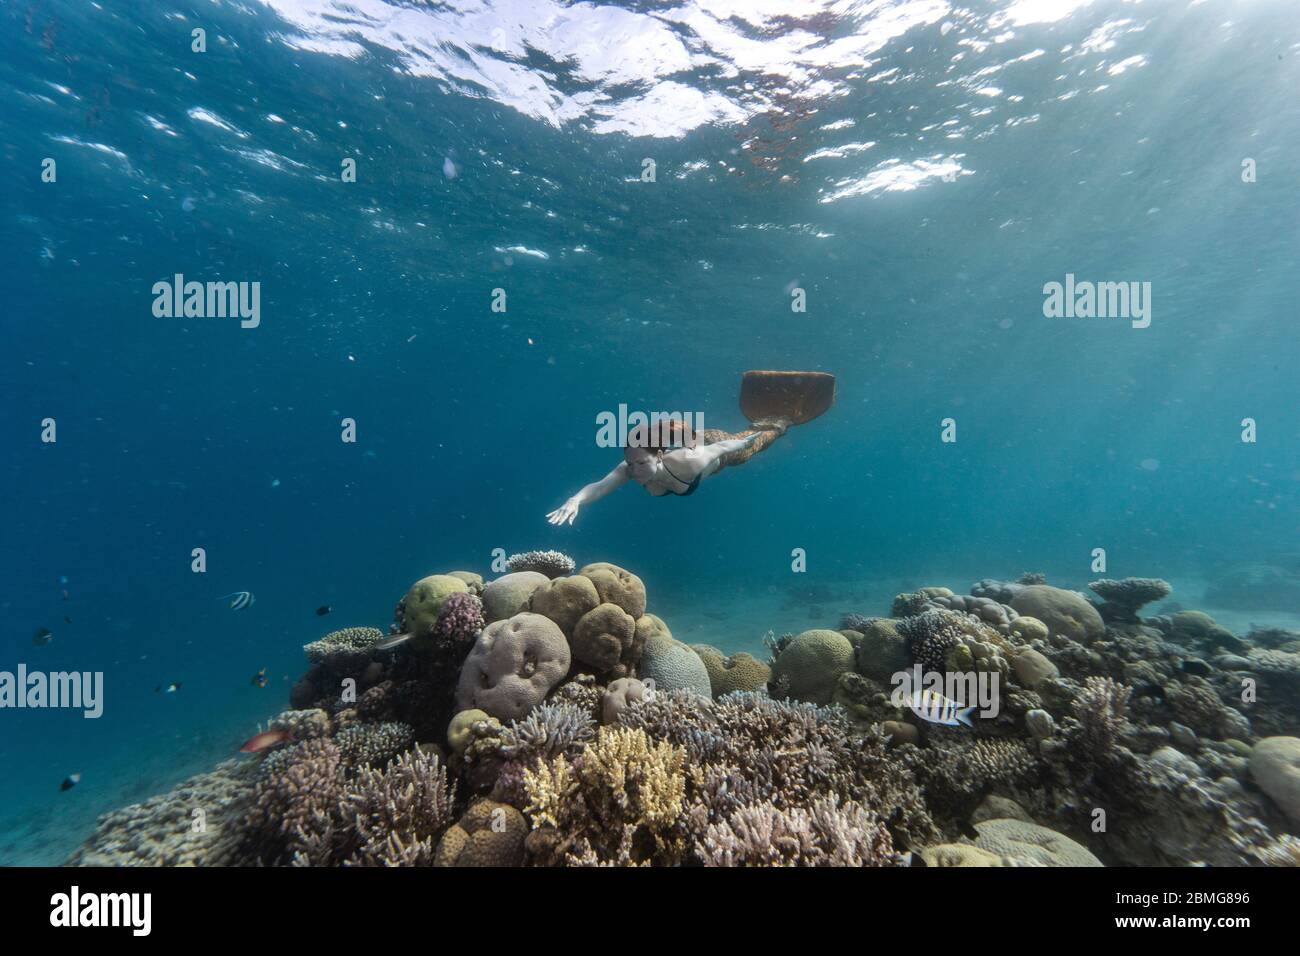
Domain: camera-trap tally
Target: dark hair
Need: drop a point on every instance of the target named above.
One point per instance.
(659, 436)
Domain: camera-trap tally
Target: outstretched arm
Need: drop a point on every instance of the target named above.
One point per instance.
(592, 492)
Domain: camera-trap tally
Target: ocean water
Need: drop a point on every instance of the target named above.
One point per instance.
(920, 169)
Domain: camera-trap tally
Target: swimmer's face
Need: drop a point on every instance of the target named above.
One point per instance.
(642, 464)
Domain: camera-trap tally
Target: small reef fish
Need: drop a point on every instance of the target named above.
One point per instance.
(265, 740)
(238, 599)
(259, 679)
(168, 689)
(392, 641)
(938, 709)
(43, 636)
(70, 781)
(323, 610)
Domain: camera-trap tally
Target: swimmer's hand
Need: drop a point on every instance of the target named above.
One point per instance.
(566, 512)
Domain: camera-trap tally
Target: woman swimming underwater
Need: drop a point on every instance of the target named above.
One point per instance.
(671, 459)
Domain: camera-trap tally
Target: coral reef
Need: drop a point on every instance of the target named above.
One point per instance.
(579, 732)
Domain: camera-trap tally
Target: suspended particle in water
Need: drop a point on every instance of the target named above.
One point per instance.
(1150, 464)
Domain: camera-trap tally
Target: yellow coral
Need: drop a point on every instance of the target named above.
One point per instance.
(646, 782)
(550, 786)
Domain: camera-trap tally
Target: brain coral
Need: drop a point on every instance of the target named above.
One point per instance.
(489, 834)
(812, 664)
(737, 672)
(509, 594)
(513, 665)
(673, 666)
(1066, 613)
(1028, 844)
(617, 586)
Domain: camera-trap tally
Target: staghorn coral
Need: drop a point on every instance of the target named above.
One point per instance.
(826, 834)
(553, 564)
(296, 789)
(550, 730)
(394, 816)
(619, 802)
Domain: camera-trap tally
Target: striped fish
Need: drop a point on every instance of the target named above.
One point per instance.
(938, 709)
(238, 599)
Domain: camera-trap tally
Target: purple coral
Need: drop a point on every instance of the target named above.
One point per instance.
(460, 619)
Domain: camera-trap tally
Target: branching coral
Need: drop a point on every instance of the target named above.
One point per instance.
(930, 635)
(825, 834)
(954, 773)
(620, 802)
(296, 790)
(373, 745)
(548, 731)
(396, 815)
(746, 749)
(459, 620)
(344, 649)
(1100, 711)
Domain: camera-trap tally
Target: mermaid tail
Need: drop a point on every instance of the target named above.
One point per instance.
(798, 397)
(768, 396)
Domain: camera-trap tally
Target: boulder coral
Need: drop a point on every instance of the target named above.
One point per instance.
(565, 601)
(509, 594)
(418, 610)
(489, 834)
(812, 664)
(737, 672)
(512, 666)
(1275, 766)
(1028, 844)
(672, 665)
(617, 585)
(1066, 613)
(604, 640)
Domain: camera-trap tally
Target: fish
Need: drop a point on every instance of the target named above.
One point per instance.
(393, 640)
(43, 636)
(70, 781)
(323, 610)
(259, 679)
(266, 740)
(239, 599)
(938, 709)
(168, 689)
